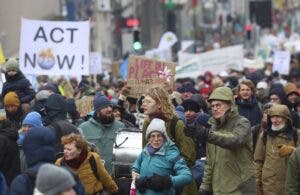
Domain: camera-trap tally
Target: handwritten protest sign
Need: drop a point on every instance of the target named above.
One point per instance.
(54, 47)
(144, 73)
(85, 105)
(282, 62)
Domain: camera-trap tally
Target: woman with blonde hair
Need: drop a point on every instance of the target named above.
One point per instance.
(86, 164)
(157, 104)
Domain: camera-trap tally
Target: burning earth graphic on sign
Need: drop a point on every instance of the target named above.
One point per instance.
(165, 74)
(46, 59)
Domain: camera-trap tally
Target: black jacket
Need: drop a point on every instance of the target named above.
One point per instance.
(9, 151)
(19, 84)
(250, 110)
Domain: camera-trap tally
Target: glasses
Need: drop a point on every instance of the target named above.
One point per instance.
(217, 105)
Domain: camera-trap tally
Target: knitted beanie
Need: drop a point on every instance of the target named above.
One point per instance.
(12, 64)
(100, 102)
(33, 119)
(157, 125)
(52, 180)
(11, 98)
(290, 88)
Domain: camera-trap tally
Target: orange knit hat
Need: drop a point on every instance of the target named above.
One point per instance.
(11, 98)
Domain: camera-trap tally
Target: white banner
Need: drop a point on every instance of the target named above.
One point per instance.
(159, 54)
(282, 62)
(215, 61)
(95, 63)
(54, 47)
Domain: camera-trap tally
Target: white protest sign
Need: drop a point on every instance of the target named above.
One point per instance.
(167, 40)
(159, 54)
(95, 63)
(215, 61)
(54, 47)
(282, 62)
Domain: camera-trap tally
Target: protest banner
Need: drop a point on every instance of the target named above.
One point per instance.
(215, 61)
(54, 47)
(282, 62)
(85, 105)
(144, 73)
(159, 54)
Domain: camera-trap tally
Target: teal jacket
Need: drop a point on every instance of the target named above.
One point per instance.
(103, 136)
(165, 161)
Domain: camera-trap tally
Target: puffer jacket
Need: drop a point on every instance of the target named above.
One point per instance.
(229, 168)
(270, 168)
(19, 84)
(103, 136)
(165, 162)
(185, 144)
(89, 181)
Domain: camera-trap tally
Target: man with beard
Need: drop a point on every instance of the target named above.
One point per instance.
(13, 110)
(101, 129)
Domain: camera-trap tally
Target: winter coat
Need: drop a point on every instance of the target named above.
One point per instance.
(270, 168)
(185, 144)
(293, 175)
(89, 181)
(165, 162)
(38, 147)
(250, 110)
(16, 118)
(103, 136)
(19, 84)
(229, 168)
(9, 151)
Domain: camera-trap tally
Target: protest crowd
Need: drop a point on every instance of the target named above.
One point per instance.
(229, 132)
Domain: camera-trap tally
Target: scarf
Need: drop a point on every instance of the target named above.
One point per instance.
(76, 162)
(152, 150)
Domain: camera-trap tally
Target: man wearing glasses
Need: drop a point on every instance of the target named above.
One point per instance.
(229, 166)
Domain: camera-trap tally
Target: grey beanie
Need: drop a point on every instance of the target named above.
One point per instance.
(52, 180)
(157, 125)
(101, 101)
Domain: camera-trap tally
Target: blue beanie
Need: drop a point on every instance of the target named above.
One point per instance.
(33, 119)
(202, 119)
(100, 102)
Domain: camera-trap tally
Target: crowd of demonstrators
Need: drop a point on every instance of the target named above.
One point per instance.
(223, 127)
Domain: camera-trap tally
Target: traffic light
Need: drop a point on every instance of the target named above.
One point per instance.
(137, 45)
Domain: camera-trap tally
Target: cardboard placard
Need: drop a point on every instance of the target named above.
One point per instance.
(85, 105)
(144, 73)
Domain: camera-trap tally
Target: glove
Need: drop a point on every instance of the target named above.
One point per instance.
(285, 150)
(125, 90)
(259, 189)
(141, 184)
(159, 183)
(205, 192)
(201, 132)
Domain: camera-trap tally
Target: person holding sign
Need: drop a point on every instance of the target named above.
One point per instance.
(157, 104)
